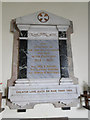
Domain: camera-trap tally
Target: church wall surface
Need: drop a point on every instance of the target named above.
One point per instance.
(78, 13)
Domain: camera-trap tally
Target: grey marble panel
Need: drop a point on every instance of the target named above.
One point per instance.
(43, 59)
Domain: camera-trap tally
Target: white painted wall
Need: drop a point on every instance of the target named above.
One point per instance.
(78, 13)
(0, 45)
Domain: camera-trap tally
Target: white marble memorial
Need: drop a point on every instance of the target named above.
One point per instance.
(42, 67)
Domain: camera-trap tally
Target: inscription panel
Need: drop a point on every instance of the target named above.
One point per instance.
(43, 59)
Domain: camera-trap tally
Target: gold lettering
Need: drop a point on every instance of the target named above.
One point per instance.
(43, 53)
(49, 59)
(37, 60)
(39, 91)
(61, 90)
(33, 91)
(18, 91)
(69, 90)
(51, 66)
(53, 90)
(40, 66)
(52, 69)
(24, 91)
(47, 90)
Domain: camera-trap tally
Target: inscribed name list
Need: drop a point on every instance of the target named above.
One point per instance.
(43, 59)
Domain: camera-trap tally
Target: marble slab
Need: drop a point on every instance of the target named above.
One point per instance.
(43, 59)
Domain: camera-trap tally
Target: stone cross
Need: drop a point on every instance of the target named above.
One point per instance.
(43, 17)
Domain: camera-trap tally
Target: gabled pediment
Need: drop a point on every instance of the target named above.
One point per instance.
(42, 17)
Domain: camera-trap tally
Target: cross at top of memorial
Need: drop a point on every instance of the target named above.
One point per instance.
(43, 17)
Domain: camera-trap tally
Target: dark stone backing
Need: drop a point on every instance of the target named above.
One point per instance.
(63, 58)
(22, 59)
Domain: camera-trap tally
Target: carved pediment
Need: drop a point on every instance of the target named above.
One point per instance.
(43, 17)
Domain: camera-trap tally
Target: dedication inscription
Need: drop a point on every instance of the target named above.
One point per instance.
(43, 59)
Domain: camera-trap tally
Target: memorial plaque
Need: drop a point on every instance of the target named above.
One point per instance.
(42, 67)
(43, 59)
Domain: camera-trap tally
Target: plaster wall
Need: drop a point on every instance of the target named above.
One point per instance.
(0, 43)
(76, 12)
